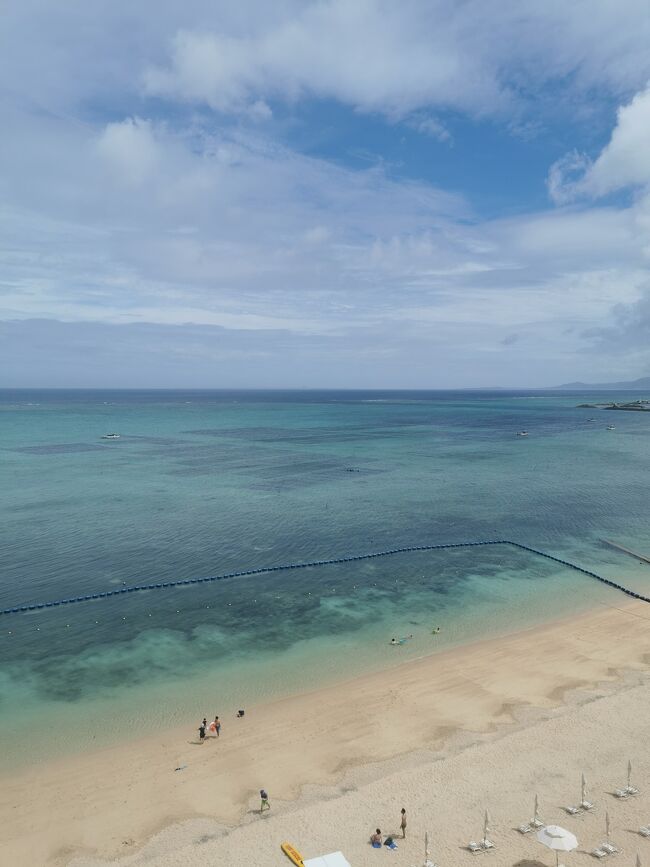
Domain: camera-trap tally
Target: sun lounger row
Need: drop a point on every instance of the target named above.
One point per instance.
(581, 808)
(483, 846)
(626, 792)
(604, 850)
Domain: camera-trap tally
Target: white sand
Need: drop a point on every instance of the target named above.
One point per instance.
(447, 736)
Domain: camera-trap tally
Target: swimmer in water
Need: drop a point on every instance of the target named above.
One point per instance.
(394, 641)
(436, 630)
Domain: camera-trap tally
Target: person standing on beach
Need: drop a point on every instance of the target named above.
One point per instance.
(265, 800)
(217, 725)
(403, 823)
(202, 733)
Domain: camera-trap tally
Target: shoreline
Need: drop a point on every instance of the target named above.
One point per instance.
(115, 719)
(105, 803)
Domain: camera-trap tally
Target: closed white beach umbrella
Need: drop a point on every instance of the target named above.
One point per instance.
(607, 824)
(486, 825)
(638, 861)
(427, 861)
(584, 789)
(558, 839)
(629, 773)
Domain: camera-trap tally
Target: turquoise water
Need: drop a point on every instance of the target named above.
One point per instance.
(202, 483)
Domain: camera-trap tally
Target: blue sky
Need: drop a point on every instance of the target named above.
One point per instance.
(359, 193)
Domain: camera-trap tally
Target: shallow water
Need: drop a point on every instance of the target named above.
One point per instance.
(204, 483)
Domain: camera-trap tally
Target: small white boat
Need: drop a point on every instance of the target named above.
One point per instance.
(111, 436)
(610, 427)
(522, 433)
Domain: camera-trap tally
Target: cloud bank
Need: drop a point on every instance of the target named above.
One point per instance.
(154, 202)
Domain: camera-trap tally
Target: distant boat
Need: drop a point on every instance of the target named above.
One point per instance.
(522, 433)
(610, 427)
(111, 436)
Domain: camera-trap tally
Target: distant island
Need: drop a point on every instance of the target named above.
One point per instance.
(631, 406)
(641, 384)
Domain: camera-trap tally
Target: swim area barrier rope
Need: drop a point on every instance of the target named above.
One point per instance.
(283, 568)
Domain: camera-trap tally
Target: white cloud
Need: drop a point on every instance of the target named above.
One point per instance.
(214, 69)
(480, 56)
(260, 111)
(621, 234)
(130, 150)
(430, 126)
(565, 177)
(624, 162)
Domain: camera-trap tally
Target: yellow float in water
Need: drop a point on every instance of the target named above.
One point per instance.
(292, 854)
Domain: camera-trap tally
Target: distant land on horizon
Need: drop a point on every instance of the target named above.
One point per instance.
(632, 385)
(640, 384)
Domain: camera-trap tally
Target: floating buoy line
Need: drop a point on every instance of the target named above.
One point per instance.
(162, 585)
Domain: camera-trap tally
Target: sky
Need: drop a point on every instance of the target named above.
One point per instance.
(343, 193)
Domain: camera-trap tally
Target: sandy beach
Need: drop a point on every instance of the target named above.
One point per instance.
(446, 736)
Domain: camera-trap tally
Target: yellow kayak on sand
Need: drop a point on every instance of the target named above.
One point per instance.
(292, 854)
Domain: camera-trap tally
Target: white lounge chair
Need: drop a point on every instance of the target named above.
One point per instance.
(573, 811)
(599, 853)
(475, 847)
(645, 831)
(587, 805)
(532, 824)
(487, 844)
(629, 789)
(609, 848)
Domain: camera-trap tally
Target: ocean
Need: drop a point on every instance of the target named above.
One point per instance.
(208, 482)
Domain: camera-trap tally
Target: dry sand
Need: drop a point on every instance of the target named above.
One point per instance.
(445, 736)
